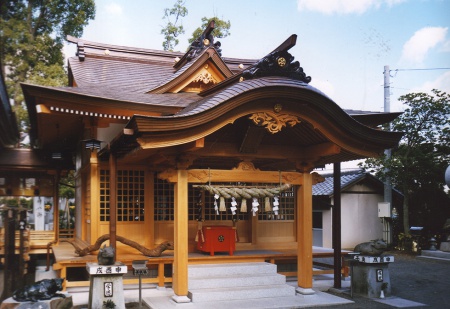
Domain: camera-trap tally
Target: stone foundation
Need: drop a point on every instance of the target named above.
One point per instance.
(54, 303)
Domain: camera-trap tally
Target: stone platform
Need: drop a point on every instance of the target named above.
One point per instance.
(54, 303)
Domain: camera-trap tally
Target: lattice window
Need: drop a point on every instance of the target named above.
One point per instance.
(130, 195)
(164, 200)
(104, 195)
(286, 207)
(202, 203)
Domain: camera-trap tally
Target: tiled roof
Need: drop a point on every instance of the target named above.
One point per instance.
(326, 187)
(238, 88)
(180, 100)
(131, 77)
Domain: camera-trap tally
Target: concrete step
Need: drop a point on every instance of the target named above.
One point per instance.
(233, 293)
(236, 281)
(230, 269)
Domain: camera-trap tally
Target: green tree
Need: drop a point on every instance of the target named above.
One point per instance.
(418, 165)
(173, 28)
(221, 29)
(31, 41)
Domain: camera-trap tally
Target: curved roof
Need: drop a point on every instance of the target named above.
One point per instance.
(217, 127)
(224, 117)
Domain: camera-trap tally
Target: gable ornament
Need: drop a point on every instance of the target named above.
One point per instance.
(206, 78)
(274, 122)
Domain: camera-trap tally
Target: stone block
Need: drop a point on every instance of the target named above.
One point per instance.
(54, 303)
(445, 246)
(366, 280)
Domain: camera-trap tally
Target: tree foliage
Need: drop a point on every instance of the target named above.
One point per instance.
(418, 164)
(31, 41)
(221, 30)
(173, 28)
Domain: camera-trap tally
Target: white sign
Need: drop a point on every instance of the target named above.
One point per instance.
(374, 259)
(95, 269)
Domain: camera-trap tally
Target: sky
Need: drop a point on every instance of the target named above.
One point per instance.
(344, 45)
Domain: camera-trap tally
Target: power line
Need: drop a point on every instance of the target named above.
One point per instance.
(429, 69)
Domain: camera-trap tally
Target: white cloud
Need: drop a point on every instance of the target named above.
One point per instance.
(343, 6)
(114, 9)
(417, 47)
(442, 83)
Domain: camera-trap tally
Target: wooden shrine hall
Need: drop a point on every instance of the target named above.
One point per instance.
(167, 144)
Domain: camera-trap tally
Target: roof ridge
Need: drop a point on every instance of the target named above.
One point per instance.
(121, 48)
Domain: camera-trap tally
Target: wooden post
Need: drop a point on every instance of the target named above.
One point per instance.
(56, 205)
(336, 224)
(91, 207)
(11, 266)
(180, 262)
(304, 236)
(112, 201)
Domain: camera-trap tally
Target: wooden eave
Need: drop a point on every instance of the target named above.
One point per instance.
(330, 134)
(69, 109)
(187, 73)
(31, 161)
(372, 119)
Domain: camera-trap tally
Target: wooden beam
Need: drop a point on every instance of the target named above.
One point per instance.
(204, 175)
(269, 151)
(193, 146)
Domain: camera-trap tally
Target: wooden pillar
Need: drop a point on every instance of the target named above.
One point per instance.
(180, 260)
(304, 235)
(91, 207)
(56, 205)
(336, 224)
(112, 200)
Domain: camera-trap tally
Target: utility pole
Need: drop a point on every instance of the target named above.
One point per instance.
(387, 152)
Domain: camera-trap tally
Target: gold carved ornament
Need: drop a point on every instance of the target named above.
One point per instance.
(274, 122)
(206, 78)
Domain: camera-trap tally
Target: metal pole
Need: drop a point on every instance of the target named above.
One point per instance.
(140, 291)
(387, 152)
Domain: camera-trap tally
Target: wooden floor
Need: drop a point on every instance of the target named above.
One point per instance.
(65, 258)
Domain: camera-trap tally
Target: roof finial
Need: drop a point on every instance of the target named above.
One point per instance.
(205, 40)
(278, 63)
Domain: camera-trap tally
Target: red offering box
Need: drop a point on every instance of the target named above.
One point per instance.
(217, 239)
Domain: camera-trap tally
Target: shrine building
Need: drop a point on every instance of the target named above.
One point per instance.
(165, 144)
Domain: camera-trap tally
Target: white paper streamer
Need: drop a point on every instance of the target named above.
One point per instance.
(275, 205)
(255, 205)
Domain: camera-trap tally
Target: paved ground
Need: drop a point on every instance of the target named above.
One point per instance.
(416, 283)
(424, 281)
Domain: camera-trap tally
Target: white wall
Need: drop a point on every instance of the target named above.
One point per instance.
(359, 218)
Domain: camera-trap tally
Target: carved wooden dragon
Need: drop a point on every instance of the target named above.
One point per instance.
(155, 252)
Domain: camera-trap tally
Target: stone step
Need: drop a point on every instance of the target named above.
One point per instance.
(232, 293)
(230, 269)
(236, 281)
